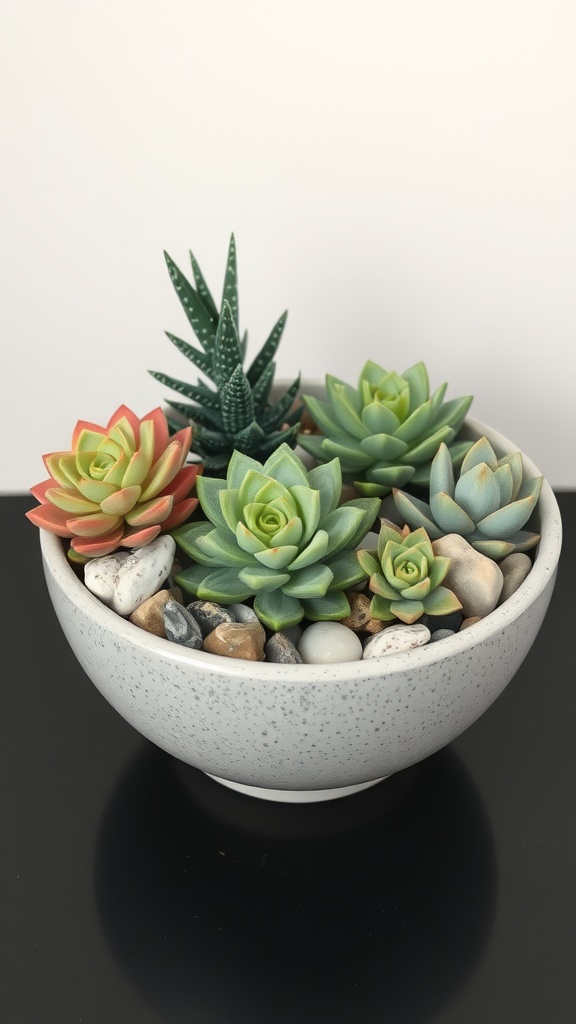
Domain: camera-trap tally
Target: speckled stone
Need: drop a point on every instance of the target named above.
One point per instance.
(208, 615)
(474, 578)
(181, 626)
(515, 568)
(360, 619)
(125, 579)
(395, 639)
(150, 614)
(329, 642)
(281, 650)
(243, 640)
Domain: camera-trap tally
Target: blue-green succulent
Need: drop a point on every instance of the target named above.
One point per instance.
(386, 430)
(406, 576)
(276, 532)
(488, 504)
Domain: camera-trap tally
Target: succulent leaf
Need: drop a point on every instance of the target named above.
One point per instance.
(198, 317)
(333, 606)
(277, 525)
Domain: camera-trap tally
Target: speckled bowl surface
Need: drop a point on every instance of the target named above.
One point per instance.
(306, 732)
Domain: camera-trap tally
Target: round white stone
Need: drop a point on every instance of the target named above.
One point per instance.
(329, 642)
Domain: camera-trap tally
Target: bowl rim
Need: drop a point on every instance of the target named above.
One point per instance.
(58, 569)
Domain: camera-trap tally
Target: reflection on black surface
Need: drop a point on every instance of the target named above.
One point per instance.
(221, 908)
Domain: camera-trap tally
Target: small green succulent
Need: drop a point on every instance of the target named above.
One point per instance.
(387, 430)
(488, 505)
(276, 533)
(405, 576)
(237, 413)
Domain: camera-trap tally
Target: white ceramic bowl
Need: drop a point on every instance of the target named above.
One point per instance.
(306, 732)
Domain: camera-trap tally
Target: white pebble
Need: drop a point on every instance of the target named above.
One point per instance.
(125, 579)
(394, 639)
(329, 642)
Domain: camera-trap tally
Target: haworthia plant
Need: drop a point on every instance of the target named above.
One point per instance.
(237, 413)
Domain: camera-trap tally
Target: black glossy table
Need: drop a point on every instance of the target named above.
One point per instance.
(138, 891)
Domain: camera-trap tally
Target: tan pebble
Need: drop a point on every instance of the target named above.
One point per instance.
(237, 640)
(469, 621)
(515, 568)
(149, 615)
(360, 619)
(475, 579)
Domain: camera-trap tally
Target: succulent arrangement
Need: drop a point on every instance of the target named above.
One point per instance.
(274, 506)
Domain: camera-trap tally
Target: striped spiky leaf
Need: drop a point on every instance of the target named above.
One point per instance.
(238, 415)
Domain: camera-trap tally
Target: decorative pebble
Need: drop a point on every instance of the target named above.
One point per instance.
(360, 619)
(441, 634)
(181, 626)
(329, 642)
(237, 640)
(470, 621)
(515, 568)
(242, 613)
(293, 633)
(125, 579)
(394, 639)
(150, 614)
(208, 615)
(475, 579)
(281, 650)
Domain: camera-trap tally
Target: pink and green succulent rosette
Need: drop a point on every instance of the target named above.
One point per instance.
(119, 486)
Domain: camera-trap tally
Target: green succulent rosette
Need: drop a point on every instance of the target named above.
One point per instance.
(488, 504)
(275, 532)
(406, 576)
(387, 430)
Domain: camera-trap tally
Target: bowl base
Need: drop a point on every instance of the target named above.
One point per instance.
(295, 796)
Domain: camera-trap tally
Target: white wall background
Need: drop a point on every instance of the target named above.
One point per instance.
(401, 176)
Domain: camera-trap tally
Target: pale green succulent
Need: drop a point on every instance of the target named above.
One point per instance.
(386, 430)
(488, 505)
(405, 576)
(276, 533)
(237, 413)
